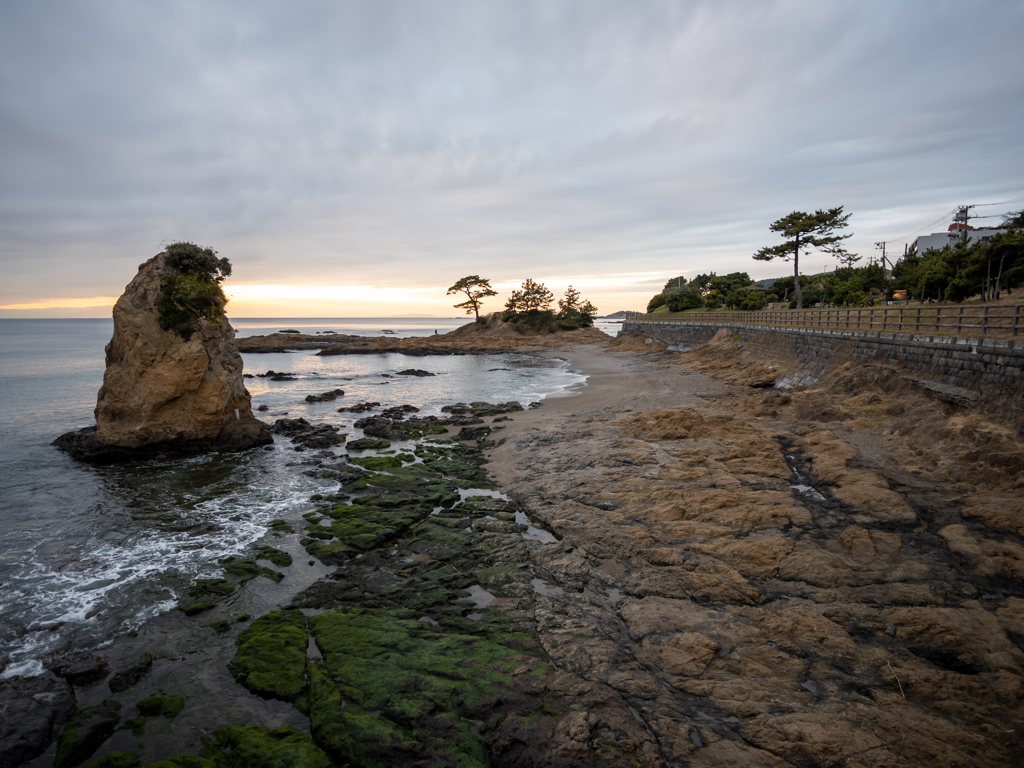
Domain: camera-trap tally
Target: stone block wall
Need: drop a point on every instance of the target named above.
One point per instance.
(987, 373)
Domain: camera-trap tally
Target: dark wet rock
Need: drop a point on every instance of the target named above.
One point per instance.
(84, 734)
(263, 407)
(220, 626)
(271, 656)
(500, 418)
(195, 608)
(415, 372)
(161, 704)
(359, 407)
(131, 674)
(81, 669)
(292, 427)
(306, 436)
(246, 568)
(474, 433)
(398, 411)
(289, 330)
(366, 444)
(281, 526)
(33, 710)
(479, 409)
(283, 377)
(325, 397)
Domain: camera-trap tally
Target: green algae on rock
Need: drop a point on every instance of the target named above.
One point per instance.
(271, 656)
(276, 556)
(84, 734)
(408, 689)
(246, 568)
(161, 704)
(193, 608)
(250, 746)
(118, 759)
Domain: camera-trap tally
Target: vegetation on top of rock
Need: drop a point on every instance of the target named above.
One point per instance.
(529, 308)
(193, 291)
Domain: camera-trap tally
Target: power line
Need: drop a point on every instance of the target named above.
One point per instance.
(1001, 202)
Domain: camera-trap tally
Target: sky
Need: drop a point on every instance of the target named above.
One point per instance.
(358, 158)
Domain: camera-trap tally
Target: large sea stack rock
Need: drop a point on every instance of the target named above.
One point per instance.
(163, 393)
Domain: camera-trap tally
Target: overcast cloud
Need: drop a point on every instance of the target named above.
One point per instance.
(404, 144)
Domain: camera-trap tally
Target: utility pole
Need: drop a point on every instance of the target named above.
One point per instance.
(963, 213)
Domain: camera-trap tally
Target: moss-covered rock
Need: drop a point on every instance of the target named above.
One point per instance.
(220, 626)
(185, 761)
(161, 704)
(410, 690)
(271, 656)
(367, 444)
(280, 526)
(193, 608)
(276, 556)
(119, 759)
(250, 746)
(378, 463)
(247, 568)
(84, 734)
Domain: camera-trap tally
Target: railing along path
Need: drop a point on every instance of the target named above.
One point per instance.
(977, 320)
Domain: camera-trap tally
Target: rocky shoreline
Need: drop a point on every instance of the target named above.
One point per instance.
(674, 567)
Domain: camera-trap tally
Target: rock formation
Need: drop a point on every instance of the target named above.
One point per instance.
(164, 393)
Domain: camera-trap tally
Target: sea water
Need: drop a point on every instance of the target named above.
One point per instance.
(91, 552)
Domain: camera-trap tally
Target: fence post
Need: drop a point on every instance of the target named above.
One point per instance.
(938, 312)
(899, 321)
(959, 319)
(984, 321)
(917, 321)
(1016, 318)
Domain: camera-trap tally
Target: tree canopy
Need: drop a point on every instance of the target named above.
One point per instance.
(476, 288)
(574, 311)
(531, 297)
(808, 230)
(959, 271)
(192, 291)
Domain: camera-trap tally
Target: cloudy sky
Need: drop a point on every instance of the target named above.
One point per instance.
(357, 158)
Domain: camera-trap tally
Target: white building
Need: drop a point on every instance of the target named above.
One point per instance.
(940, 240)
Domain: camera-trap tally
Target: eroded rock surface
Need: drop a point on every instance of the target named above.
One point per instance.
(161, 392)
(785, 579)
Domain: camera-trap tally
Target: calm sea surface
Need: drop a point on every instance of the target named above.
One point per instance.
(88, 553)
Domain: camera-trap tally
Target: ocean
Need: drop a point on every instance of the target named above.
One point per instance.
(88, 553)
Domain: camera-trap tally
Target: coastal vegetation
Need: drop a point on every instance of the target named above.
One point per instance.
(815, 230)
(193, 291)
(962, 270)
(530, 308)
(709, 291)
(476, 289)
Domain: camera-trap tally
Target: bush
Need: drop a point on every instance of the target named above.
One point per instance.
(193, 292)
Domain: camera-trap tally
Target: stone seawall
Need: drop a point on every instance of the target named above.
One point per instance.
(985, 373)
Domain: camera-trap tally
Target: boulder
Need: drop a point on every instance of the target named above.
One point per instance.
(33, 710)
(162, 392)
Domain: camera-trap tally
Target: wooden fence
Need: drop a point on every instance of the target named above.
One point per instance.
(973, 321)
